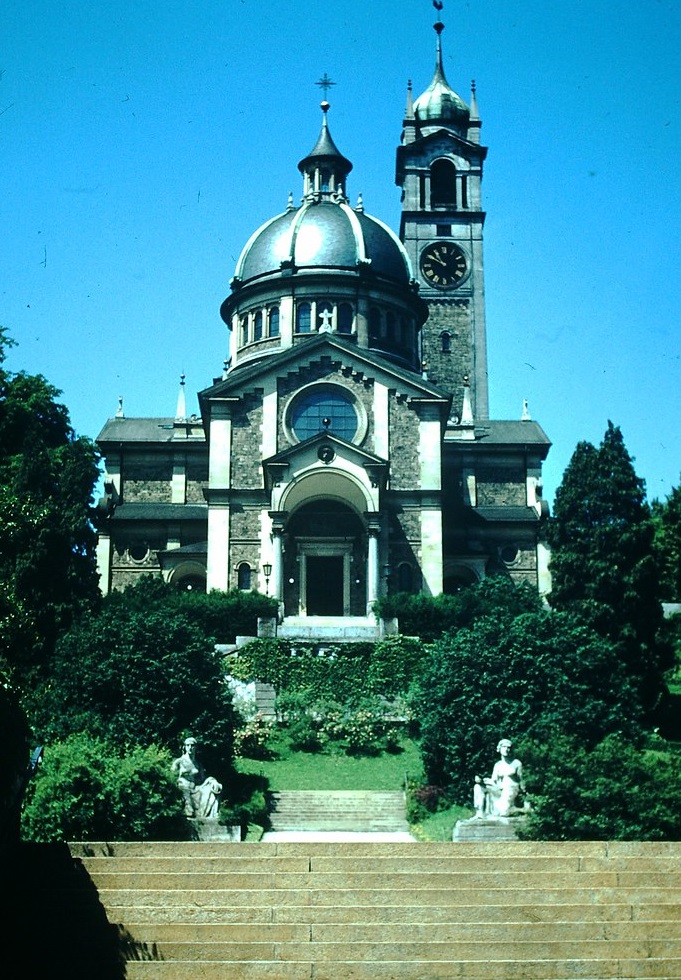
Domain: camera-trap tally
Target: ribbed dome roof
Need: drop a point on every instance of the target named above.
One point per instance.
(326, 235)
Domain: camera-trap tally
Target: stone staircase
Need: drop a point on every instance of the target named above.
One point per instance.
(314, 911)
(330, 629)
(338, 810)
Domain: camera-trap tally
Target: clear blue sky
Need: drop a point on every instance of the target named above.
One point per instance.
(143, 142)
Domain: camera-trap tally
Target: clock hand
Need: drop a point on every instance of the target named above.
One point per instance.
(434, 258)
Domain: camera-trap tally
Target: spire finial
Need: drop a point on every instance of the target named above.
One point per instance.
(325, 84)
(120, 414)
(181, 411)
(439, 27)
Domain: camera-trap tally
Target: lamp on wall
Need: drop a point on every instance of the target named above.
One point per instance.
(267, 571)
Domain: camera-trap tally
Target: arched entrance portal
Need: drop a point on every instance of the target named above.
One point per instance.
(325, 560)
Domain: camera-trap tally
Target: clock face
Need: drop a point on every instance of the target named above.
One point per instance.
(443, 264)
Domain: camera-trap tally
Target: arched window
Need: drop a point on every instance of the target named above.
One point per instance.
(324, 409)
(443, 184)
(446, 340)
(304, 318)
(243, 327)
(257, 326)
(274, 321)
(345, 318)
(244, 576)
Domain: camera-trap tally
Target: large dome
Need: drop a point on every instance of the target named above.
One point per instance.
(325, 235)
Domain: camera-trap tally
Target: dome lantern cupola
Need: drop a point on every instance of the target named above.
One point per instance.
(325, 168)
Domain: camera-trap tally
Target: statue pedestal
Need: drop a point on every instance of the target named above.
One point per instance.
(487, 829)
(212, 830)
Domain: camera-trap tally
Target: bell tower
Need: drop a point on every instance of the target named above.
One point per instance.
(439, 168)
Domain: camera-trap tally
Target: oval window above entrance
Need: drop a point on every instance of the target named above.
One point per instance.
(326, 409)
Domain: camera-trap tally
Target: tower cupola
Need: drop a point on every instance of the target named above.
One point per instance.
(324, 169)
(439, 102)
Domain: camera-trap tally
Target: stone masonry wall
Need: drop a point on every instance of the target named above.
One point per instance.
(247, 441)
(447, 369)
(404, 444)
(501, 486)
(148, 479)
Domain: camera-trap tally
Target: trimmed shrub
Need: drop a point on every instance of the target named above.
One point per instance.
(86, 789)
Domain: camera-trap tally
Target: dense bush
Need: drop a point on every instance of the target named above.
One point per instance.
(221, 616)
(86, 789)
(139, 678)
(428, 617)
(533, 675)
(611, 791)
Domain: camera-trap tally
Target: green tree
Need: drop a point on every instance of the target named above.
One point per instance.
(138, 678)
(537, 675)
(47, 541)
(611, 791)
(667, 521)
(603, 562)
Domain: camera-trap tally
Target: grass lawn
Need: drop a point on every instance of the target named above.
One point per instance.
(324, 771)
(290, 770)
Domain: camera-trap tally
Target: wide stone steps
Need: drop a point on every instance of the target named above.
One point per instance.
(354, 911)
(353, 810)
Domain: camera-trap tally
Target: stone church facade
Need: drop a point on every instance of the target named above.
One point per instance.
(347, 449)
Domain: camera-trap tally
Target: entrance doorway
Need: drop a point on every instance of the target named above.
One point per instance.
(325, 580)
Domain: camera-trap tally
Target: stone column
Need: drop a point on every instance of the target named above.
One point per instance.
(373, 566)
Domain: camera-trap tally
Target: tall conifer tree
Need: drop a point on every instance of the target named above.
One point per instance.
(603, 561)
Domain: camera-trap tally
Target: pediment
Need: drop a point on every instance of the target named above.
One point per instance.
(440, 141)
(324, 449)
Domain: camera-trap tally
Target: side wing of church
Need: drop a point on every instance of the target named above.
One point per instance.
(347, 451)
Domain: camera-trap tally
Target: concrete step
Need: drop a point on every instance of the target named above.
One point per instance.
(505, 969)
(329, 629)
(317, 911)
(360, 810)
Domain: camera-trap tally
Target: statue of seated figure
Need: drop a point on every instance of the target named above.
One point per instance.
(496, 796)
(200, 793)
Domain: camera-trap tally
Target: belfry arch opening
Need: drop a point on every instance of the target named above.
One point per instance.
(443, 184)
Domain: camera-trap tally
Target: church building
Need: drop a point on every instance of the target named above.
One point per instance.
(347, 450)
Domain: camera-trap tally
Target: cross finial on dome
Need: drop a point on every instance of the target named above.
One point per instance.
(325, 84)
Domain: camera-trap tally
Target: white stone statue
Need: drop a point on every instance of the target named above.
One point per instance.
(496, 796)
(201, 793)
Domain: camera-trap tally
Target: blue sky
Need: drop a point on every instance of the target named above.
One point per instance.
(143, 142)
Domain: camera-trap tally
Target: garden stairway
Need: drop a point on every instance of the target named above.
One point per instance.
(357, 811)
(416, 911)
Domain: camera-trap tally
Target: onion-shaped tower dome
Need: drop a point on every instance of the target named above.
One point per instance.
(324, 266)
(440, 103)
